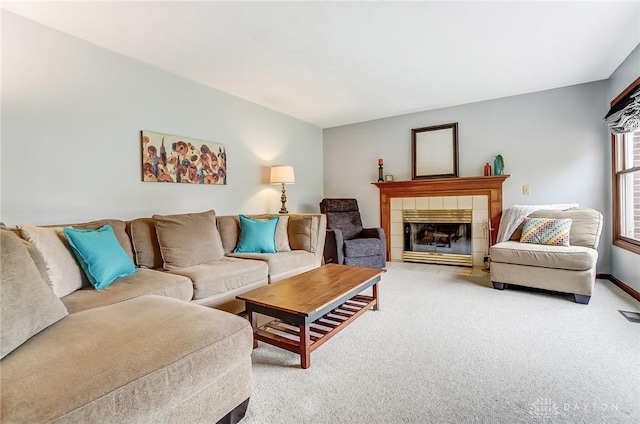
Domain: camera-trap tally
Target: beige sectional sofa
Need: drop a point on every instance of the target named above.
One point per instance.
(214, 283)
(566, 269)
(143, 349)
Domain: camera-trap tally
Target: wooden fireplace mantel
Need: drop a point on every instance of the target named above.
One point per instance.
(461, 186)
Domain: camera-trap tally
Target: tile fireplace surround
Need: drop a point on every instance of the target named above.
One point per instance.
(483, 195)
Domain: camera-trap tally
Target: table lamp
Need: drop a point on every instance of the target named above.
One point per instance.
(282, 175)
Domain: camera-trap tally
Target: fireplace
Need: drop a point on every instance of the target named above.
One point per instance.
(438, 236)
(481, 194)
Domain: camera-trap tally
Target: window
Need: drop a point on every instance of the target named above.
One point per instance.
(626, 169)
(627, 190)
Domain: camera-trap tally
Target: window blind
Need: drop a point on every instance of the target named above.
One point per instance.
(624, 116)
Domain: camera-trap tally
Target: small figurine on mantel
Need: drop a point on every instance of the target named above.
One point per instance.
(487, 170)
(380, 178)
(498, 165)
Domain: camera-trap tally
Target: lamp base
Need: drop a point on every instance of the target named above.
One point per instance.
(283, 200)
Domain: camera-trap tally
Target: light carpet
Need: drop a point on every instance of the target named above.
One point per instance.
(446, 348)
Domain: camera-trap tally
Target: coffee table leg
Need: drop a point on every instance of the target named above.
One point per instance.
(305, 352)
(253, 319)
(376, 307)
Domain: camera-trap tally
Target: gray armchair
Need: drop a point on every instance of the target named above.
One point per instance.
(347, 242)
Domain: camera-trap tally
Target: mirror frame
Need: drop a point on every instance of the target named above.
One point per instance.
(422, 165)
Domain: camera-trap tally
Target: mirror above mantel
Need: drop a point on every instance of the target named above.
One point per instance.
(434, 151)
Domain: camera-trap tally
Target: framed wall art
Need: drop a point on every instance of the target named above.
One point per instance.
(434, 151)
(176, 159)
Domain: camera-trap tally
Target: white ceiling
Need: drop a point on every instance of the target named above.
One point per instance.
(336, 63)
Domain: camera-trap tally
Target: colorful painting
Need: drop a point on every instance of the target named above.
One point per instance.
(174, 159)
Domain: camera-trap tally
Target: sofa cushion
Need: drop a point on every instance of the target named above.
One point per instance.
(229, 227)
(358, 248)
(257, 236)
(303, 232)
(552, 232)
(188, 239)
(221, 276)
(38, 260)
(27, 304)
(282, 236)
(129, 362)
(65, 275)
(576, 258)
(144, 281)
(145, 243)
(586, 225)
(281, 262)
(100, 255)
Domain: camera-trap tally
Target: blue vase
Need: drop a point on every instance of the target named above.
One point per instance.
(498, 165)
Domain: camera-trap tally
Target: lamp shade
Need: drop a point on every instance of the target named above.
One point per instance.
(282, 175)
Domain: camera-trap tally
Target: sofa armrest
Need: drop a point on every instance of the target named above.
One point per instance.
(322, 234)
(334, 247)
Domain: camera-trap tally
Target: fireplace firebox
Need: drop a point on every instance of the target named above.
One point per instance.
(438, 236)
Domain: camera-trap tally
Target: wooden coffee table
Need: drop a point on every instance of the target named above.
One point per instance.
(311, 307)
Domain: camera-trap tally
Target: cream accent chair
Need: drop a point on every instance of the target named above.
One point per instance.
(564, 269)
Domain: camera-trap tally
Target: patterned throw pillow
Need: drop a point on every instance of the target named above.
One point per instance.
(552, 232)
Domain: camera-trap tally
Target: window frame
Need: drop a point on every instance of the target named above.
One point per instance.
(618, 239)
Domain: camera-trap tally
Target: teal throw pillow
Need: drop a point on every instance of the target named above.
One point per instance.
(100, 255)
(257, 236)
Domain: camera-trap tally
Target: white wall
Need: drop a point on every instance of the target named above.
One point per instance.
(553, 140)
(71, 119)
(625, 265)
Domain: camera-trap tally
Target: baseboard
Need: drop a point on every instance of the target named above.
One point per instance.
(620, 284)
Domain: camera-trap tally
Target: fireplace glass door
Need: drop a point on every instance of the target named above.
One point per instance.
(453, 238)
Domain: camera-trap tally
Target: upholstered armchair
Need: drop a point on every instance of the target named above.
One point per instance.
(347, 242)
(566, 269)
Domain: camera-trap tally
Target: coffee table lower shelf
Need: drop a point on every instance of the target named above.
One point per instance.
(303, 339)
